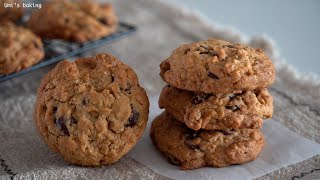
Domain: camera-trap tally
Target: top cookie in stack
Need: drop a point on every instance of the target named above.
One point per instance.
(215, 103)
(217, 66)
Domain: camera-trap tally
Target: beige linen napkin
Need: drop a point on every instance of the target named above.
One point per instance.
(161, 28)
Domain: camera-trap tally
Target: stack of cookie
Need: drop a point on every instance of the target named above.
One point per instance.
(215, 102)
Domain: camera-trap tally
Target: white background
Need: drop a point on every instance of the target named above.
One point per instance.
(293, 24)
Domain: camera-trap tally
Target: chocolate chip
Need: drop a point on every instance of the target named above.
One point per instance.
(213, 76)
(256, 92)
(213, 53)
(36, 45)
(66, 20)
(112, 78)
(173, 160)
(186, 52)
(230, 46)
(193, 147)
(85, 101)
(232, 96)
(104, 20)
(165, 66)
(73, 120)
(233, 108)
(133, 119)
(128, 89)
(55, 109)
(192, 134)
(225, 132)
(205, 48)
(60, 123)
(199, 98)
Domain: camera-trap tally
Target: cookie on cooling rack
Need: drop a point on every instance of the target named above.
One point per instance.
(19, 48)
(73, 21)
(13, 13)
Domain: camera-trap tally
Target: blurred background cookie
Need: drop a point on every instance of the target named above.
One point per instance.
(217, 66)
(10, 13)
(19, 48)
(78, 21)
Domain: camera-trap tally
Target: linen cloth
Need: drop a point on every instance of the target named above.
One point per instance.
(161, 28)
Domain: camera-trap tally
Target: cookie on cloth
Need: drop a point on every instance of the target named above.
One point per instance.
(244, 109)
(10, 13)
(74, 21)
(19, 48)
(91, 111)
(191, 149)
(217, 66)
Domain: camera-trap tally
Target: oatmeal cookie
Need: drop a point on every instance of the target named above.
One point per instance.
(19, 48)
(244, 109)
(217, 66)
(191, 149)
(91, 111)
(10, 13)
(74, 21)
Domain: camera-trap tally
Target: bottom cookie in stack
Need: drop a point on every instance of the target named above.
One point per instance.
(194, 149)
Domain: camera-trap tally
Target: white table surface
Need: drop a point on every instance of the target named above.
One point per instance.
(293, 24)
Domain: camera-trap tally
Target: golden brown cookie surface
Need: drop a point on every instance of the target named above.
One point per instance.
(91, 111)
(194, 149)
(19, 48)
(216, 66)
(74, 21)
(245, 109)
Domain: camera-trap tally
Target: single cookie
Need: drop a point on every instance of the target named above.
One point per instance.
(74, 21)
(91, 111)
(244, 109)
(216, 66)
(194, 149)
(19, 48)
(9, 10)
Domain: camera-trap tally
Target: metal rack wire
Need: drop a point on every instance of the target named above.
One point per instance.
(57, 50)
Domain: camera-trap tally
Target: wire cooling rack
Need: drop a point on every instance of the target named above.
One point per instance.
(57, 50)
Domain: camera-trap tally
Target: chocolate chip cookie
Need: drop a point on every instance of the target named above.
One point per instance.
(244, 109)
(216, 66)
(194, 149)
(19, 48)
(91, 111)
(74, 21)
(10, 13)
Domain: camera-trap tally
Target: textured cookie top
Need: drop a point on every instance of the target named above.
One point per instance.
(19, 48)
(216, 66)
(10, 13)
(92, 111)
(244, 109)
(194, 149)
(74, 21)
